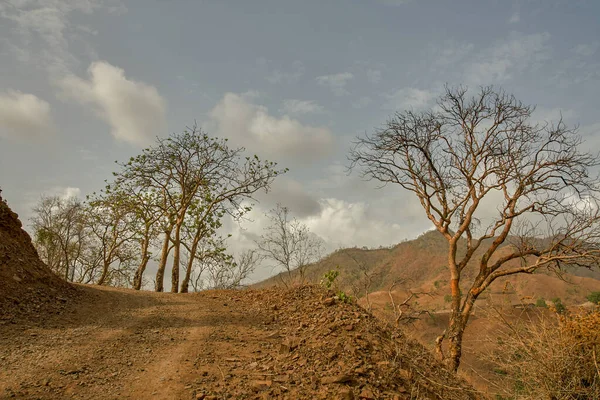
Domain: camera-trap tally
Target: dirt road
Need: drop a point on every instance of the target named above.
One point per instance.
(125, 344)
(301, 343)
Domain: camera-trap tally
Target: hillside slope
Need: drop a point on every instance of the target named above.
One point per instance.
(27, 287)
(420, 265)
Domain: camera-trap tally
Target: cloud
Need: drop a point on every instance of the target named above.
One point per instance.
(516, 54)
(586, 49)
(336, 82)
(44, 30)
(134, 110)
(373, 75)
(298, 107)
(293, 195)
(449, 53)
(514, 18)
(409, 98)
(68, 192)
(277, 76)
(252, 126)
(24, 115)
(344, 224)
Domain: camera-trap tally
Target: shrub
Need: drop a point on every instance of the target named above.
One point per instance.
(594, 297)
(330, 277)
(559, 307)
(541, 303)
(448, 298)
(551, 358)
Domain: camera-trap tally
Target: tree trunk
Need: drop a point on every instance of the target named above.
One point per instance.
(455, 336)
(176, 253)
(160, 272)
(139, 272)
(188, 271)
(104, 275)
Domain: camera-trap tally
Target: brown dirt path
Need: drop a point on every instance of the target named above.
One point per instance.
(301, 343)
(126, 344)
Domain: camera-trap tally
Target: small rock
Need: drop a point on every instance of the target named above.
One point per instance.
(261, 385)
(336, 379)
(367, 394)
(329, 301)
(346, 394)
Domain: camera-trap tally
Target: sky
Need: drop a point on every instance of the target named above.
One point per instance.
(84, 83)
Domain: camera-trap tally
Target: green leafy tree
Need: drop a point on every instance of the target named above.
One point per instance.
(192, 171)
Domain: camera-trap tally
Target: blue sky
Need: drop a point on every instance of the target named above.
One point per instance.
(84, 83)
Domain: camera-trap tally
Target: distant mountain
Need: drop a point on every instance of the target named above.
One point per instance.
(420, 265)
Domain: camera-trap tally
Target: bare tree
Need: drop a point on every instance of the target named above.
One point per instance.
(289, 244)
(482, 170)
(59, 234)
(230, 273)
(362, 286)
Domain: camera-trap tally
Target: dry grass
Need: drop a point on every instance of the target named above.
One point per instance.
(550, 357)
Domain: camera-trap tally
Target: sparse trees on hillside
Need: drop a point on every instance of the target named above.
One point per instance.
(59, 235)
(173, 195)
(486, 175)
(289, 244)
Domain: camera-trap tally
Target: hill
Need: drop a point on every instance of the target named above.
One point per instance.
(27, 286)
(419, 265)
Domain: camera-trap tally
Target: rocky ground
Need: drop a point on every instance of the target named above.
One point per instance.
(259, 344)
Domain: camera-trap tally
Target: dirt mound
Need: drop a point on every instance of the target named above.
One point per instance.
(322, 348)
(27, 286)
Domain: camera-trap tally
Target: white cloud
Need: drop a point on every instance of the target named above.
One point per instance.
(134, 110)
(68, 192)
(252, 126)
(409, 98)
(24, 115)
(298, 107)
(586, 49)
(345, 224)
(336, 82)
(518, 53)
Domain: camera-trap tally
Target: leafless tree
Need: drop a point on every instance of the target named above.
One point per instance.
(363, 285)
(230, 273)
(482, 171)
(289, 244)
